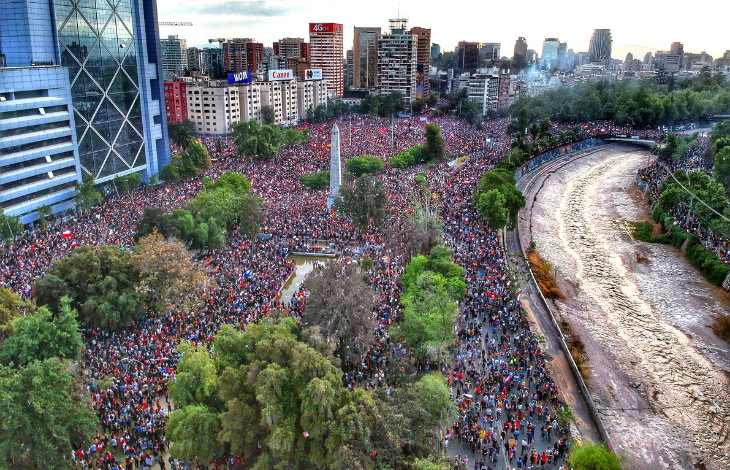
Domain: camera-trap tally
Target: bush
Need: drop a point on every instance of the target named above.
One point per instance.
(411, 156)
(721, 327)
(319, 180)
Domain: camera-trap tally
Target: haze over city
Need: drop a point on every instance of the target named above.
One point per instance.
(652, 24)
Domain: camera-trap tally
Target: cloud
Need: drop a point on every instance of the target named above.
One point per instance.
(254, 8)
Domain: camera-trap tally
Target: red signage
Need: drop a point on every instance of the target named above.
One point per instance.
(325, 28)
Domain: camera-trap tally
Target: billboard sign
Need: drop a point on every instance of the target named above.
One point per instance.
(313, 74)
(325, 28)
(275, 75)
(239, 77)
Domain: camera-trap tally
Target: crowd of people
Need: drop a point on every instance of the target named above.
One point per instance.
(653, 177)
(498, 375)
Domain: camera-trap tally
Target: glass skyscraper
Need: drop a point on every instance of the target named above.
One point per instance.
(116, 99)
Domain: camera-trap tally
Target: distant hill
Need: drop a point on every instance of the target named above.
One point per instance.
(638, 51)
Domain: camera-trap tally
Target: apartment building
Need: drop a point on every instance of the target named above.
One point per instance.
(213, 107)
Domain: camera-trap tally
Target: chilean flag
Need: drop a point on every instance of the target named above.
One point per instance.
(67, 234)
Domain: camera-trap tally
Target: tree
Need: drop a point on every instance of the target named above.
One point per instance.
(267, 114)
(193, 430)
(101, 283)
(42, 415)
(341, 305)
(166, 267)
(10, 226)
(294, 136)
(86, 194)
(41, 335)
(12, 307)
(128, 182)
(251, 139)
(198, 155)
(44, 212)
(435, 144)
(182, 134)
(433, 98)
(364, 202)
(721, 170)
(428, 314)
(593, 457)
(491, 206)
(358, 166)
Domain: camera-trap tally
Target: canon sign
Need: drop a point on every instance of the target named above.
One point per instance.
(281, 75)
(325, 28)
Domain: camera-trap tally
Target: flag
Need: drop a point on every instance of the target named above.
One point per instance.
(306, 434)
(424, 119)
(66, 234)
(247, 272)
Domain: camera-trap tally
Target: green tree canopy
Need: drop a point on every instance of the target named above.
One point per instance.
(42, 335)
(358, 166)
(435, 144)
(254, 140)
(86, 194)
(42, 414)
(12, 307)
(101, 283)
(319, 180)
(593, 457)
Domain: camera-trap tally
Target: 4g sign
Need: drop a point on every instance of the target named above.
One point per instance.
(325, 28)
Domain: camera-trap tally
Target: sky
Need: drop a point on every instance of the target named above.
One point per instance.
(644, 23)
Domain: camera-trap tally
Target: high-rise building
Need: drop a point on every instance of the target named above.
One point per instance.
(676, 55)
(194, 60)
(299, 66)
(520, 55)
(310, 95)
(235, 55)
(350, 67)
(174, 57)
(531, 56)
(397, 62)
(467, 55)
(549, 57)
(289, 48)
(281, 95)
(112, 61)
(254, 56)
(305, 51)
(272, 61)
(365, 57)
(483, 89)
(176, 103)
(211, 59)
(490, 51)
(214, 107)
(423, 67)
(325, 42)
(435, 50)
(600, 46)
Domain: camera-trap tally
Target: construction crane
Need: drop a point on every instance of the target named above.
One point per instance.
(175, 23)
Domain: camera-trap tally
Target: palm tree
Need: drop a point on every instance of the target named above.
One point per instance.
(182, 135)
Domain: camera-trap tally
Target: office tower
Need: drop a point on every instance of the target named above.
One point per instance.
(325, 42)
(113, 66)
(350, 67)
(490, 51)
(520, 54)
(254, 56)
(306, 51)
(174, 57)
(298, 66)
(397, 61)
(365, 57)
(600, 46)
(211, 59)
(549, 55)
(531, 56)
(677, 54)
(467, 54)
(289, 48)
(423, 67)
(435, 50)
(235, 54)
(194, 59)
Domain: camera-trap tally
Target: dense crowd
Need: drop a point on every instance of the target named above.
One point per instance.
(498, 375)
(651, 179)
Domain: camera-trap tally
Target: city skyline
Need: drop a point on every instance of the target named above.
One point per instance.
(269, 21)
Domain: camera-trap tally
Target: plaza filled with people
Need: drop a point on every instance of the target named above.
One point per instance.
(507, 403)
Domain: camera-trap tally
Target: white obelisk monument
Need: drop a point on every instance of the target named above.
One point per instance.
(335, 168)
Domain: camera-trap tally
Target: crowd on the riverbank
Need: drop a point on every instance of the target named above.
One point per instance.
(651, 179)
(245, 277)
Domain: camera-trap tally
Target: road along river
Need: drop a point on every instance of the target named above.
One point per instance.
(641, 321)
